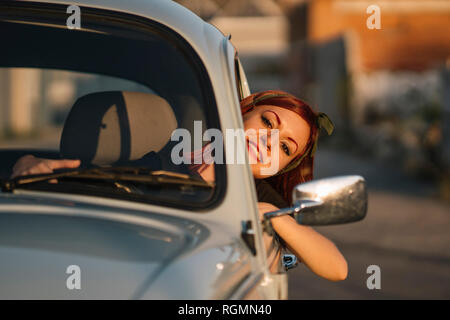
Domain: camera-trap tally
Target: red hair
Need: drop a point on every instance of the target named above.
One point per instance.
(285, 182)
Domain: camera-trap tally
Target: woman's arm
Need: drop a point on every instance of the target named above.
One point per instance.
(315, 250)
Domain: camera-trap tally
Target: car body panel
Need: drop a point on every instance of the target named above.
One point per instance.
(121, 254)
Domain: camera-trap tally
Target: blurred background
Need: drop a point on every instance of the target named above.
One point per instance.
(388, 92)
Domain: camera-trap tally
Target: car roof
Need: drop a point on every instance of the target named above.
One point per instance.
(200, 34)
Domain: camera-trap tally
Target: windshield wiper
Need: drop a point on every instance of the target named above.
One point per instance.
(122, 174)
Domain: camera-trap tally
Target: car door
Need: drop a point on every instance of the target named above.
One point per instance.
(273, 250)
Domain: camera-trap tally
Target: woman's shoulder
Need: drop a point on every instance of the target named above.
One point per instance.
(266, 193)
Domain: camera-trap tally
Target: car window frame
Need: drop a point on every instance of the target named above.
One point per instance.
(55, 15)
(241, 79)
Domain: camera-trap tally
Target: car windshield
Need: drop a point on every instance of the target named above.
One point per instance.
(111, 94)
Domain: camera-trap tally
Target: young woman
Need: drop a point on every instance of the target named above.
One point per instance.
(298, 131)
(297, 127)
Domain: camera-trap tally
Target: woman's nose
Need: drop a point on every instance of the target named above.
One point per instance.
(264, 139)
(270, 136)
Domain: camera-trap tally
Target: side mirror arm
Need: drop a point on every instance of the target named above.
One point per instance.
(294, 211)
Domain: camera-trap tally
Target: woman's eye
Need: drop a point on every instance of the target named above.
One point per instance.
(285, 149)
(266, 122)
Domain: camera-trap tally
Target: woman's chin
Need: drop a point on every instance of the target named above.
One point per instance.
(256, 170)
(260, 171)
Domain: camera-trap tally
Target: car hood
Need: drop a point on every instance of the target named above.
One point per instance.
(61, 249)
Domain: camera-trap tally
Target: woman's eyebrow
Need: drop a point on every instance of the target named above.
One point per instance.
(296, 145)
(278, 118)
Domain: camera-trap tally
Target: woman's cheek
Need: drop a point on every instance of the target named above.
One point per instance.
(261, 171)
(283, 161)
(256, 170)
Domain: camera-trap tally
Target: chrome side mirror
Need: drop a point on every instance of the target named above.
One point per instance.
(326, 201)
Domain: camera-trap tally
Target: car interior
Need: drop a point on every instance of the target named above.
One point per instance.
(110, 125)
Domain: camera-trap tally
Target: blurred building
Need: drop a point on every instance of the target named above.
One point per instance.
(413, 40)
(414, 34)
(398, 75)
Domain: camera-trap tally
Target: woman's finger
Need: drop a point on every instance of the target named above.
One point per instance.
(60, 164)
(40, 169)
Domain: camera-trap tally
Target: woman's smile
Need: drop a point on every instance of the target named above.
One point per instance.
(253, 151)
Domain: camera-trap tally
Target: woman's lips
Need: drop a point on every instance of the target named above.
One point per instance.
(254, 151)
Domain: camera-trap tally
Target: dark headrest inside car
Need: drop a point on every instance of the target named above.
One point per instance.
(109, 127)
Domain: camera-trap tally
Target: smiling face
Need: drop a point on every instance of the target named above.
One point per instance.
(293, 135)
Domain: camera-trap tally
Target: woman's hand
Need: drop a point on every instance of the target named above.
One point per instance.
(264, 207)
(29, 164)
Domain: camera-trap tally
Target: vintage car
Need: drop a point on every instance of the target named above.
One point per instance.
(127, 224)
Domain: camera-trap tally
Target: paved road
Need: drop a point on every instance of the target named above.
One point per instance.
(406, 233)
